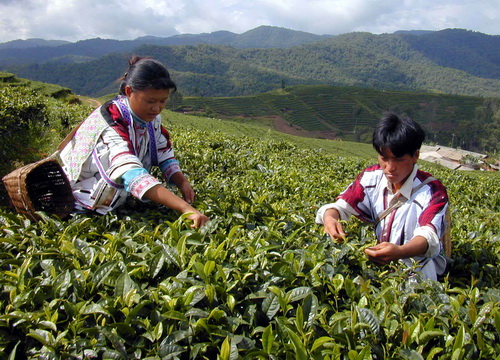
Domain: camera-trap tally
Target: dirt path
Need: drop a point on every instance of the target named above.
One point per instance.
(92, 102)
(283, 126)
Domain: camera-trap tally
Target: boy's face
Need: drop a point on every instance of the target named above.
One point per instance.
(397, 169)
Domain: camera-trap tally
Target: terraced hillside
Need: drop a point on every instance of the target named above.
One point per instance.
(348, 112)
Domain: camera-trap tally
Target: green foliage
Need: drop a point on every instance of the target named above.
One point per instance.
(22, 119)
(259, 281)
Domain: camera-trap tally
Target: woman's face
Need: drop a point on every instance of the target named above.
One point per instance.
(147, 104)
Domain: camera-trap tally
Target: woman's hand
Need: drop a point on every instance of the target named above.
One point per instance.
(198, 219)
(184, 186)
(162, 195)
(187, 192)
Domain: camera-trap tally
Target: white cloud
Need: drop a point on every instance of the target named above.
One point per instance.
(128, 19)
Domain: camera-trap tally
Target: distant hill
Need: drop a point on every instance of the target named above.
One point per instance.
(413, 32)
(260, 37)
(41, 51)
(32, 43)
(91, 49)
(473, 52)
(385, 62)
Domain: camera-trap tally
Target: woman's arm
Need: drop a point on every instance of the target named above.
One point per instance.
(162, 195)
(184, 186)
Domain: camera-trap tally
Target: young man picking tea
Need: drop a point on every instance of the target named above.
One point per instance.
(406, 205)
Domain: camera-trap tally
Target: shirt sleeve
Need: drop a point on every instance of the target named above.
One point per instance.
(431, 224)
(345, 210)
(434, 244)
(169, 167)
(353, 201)
(138, 181)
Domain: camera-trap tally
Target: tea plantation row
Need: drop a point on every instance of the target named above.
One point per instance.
(259, 281)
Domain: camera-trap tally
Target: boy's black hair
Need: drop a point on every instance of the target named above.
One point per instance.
(401, 135)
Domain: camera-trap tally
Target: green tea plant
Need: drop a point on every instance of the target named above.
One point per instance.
(259, 281)
(22, 115)
(33, 123)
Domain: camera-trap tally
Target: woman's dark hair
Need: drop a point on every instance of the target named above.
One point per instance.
(400, 135)
(146, 73)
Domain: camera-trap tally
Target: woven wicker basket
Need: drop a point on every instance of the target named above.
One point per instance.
(40, 186)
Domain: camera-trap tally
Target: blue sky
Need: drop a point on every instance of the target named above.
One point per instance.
(74, 20)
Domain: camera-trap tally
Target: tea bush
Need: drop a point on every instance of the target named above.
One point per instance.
(32, 124)
(22, 116)
(259, 281)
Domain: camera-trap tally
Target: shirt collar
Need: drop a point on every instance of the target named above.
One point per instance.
(138, 121)
(407, 187)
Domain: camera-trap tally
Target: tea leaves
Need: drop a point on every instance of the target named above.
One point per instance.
(259, 281)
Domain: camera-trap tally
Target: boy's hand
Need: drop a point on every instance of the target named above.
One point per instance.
(383, 253)
(333, 226)
(335, 229)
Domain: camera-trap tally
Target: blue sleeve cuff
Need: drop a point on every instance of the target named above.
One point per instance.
(130, 175)
(169, 167)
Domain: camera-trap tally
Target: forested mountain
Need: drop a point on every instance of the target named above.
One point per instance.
(479, 55)
(443, 61)
(40, 51)
(31, 43)
(260, 37)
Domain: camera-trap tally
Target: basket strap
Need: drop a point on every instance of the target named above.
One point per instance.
(400, 202)
(103, 173)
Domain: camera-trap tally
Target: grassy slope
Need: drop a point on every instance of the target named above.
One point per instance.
(257, 131)
(40, 87)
